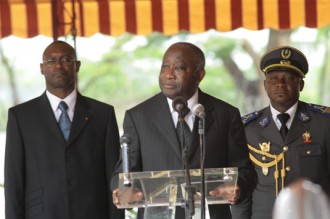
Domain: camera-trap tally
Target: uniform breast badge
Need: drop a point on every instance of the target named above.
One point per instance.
(307, 137)
(265, 147)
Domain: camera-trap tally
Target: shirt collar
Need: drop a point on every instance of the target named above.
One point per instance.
(70, 100)
(291, 111)
(191, 102)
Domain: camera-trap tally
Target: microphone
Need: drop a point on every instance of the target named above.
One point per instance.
(198, 110)
(125, 141)
(179, 104)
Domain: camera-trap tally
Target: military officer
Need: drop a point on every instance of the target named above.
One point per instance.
(289, 139)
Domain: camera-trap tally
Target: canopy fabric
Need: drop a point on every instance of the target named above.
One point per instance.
(28, 18)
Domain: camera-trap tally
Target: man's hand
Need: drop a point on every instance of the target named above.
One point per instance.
(230, 193)
(115, 197)
(129, 196)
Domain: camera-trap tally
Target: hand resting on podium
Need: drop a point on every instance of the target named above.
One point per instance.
(230, 193)
(135, 196)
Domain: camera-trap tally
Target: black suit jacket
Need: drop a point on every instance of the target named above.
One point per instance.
(303, 157)
(47, 178)
(155, 145)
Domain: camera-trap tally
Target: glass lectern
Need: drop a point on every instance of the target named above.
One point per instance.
(159, 192)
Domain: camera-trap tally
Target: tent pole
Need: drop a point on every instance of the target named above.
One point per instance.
(73, 24)
(54, 18)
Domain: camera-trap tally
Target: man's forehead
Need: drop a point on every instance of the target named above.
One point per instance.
(282, 72)
(58, 50)
(179, 54)
(175, 57)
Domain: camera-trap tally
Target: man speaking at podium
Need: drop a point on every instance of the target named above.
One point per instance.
(155, 144)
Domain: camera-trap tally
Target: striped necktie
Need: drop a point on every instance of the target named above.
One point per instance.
(187, 133)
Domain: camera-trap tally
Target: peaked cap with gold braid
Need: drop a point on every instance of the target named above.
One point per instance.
(285, 58)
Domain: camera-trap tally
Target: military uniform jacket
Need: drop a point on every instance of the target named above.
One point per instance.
(304, 153)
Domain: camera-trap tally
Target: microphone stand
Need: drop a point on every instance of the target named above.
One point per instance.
(201, 132)
(190, 205)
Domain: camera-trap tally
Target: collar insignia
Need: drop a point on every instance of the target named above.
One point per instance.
(264, 121)
(304, 117)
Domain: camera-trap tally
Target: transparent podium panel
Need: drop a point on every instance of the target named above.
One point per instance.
(167, 189)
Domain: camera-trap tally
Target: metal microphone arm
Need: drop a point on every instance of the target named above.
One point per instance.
(201, 132)
(198, 110)
(180, 105)
(190, 202)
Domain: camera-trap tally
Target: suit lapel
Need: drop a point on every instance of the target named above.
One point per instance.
(272, 131)
(164, 123)
(80, 119)
(298, 127)
(208, 108)
(46, 115)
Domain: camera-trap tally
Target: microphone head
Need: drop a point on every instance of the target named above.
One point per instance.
(198, 110)
(125, 139)
(179, 104)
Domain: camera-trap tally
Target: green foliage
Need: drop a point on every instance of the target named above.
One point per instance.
(3, 118)
(131, 214)
(127, 74)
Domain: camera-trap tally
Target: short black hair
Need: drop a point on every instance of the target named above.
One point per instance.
(198, 53)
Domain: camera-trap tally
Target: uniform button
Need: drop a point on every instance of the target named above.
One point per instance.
(285, 148)
(308, 152)
(288, 168)
(263, 158)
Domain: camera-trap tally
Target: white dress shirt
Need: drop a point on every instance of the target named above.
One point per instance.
(70, 100)
(291, 112)
(190, 117)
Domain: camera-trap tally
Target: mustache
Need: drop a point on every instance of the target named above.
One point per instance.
(58, 72)
(170, 83)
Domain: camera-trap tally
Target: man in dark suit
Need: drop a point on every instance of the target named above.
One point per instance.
(151, 126)
(55, 175)
(283, 153)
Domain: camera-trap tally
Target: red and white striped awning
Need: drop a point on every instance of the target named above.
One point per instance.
(28, 18)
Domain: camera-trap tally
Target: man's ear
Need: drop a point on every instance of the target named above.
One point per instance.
(77, 63)
(302, 84)
(41, 68)
(200, 75)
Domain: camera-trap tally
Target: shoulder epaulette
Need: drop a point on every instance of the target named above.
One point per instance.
(249, 117)
(320, 109)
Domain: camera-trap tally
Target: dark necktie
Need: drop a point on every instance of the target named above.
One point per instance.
(186, 130)
(64, 121)
(284, 129)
